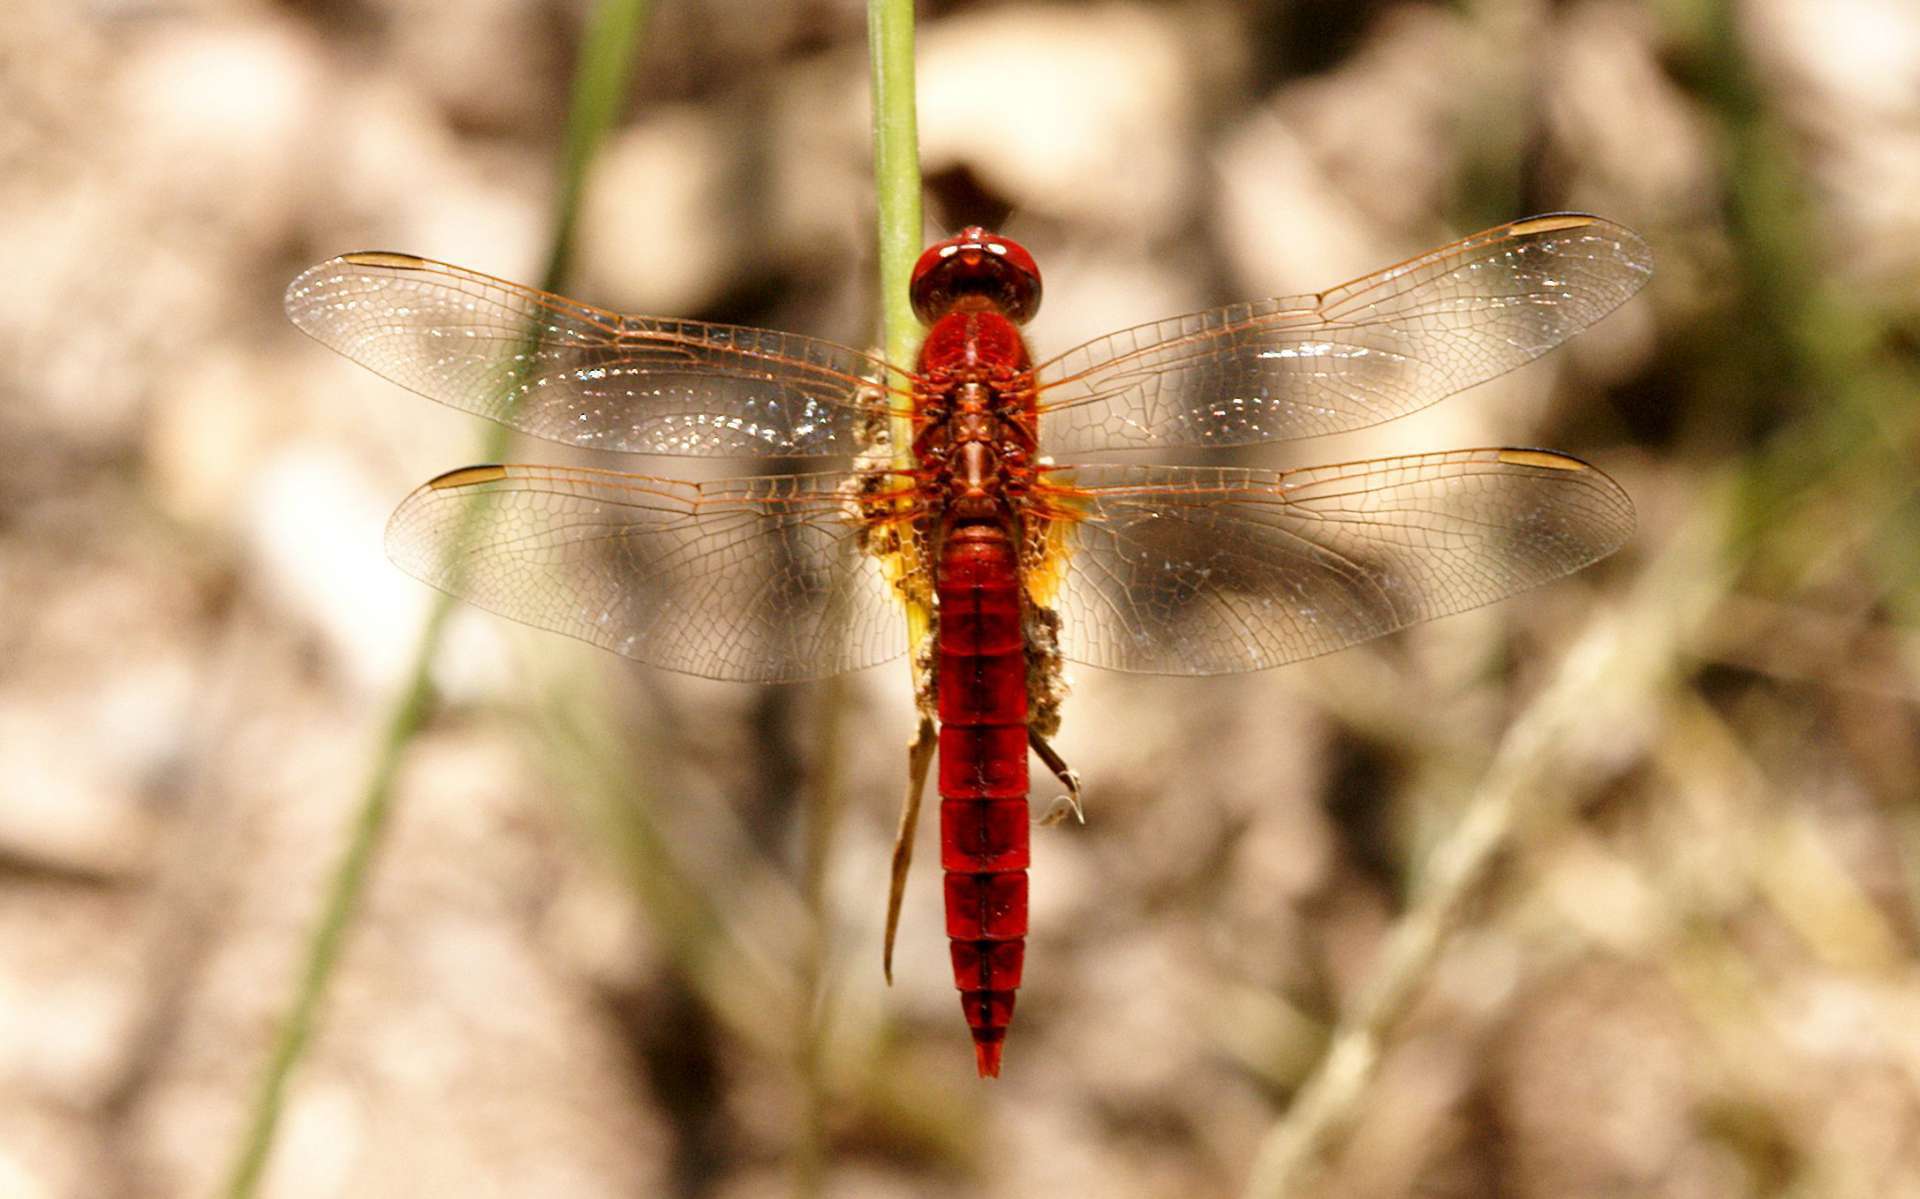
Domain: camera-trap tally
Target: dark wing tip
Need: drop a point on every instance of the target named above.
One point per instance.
(466, 476)
(1553, 222)
(388, 258)
(1550, 459)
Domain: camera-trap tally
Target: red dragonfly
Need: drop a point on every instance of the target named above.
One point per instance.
(1010, 562)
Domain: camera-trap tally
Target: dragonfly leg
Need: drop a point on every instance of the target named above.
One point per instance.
(919, 759)
(1070, 802)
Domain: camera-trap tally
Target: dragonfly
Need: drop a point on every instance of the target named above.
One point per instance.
(952, 523)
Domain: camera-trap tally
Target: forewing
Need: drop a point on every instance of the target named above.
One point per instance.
(1366, 352)
(1179, 570)
(761, 579)
(571, 373)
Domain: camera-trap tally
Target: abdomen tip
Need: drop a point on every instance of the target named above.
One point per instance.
(986, 1055)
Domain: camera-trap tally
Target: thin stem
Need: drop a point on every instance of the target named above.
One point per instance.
(329, 935)
(896, 176)
(599, 82)
(896, 180)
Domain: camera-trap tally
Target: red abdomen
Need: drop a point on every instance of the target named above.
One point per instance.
(983, 776)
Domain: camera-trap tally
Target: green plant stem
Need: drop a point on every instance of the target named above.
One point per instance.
(599, 83)
(896, 180)
(329, 934)
(896, 177)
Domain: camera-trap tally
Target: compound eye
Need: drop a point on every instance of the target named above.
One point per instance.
(976, 263)
(1020, 296)
(1023, 275)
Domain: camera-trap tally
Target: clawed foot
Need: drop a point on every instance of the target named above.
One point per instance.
(1063, 804)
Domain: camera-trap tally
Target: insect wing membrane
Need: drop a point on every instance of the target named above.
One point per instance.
(580, 375)
(1369, 351)
(764, 579)
(1197, 570)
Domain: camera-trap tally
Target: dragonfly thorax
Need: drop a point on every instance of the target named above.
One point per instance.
(975, 448)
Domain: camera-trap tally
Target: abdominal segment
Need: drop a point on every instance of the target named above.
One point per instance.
(982, 693)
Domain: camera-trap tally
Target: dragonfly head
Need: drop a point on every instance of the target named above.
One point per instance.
(976, 263)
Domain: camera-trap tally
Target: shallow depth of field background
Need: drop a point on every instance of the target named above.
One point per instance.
(582, 969)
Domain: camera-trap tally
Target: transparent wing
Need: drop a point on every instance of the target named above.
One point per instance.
(571, 373)
(1363, 353)
(1194, 570)
(762, 579)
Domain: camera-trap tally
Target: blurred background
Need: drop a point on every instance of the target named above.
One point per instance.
(623, 937)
